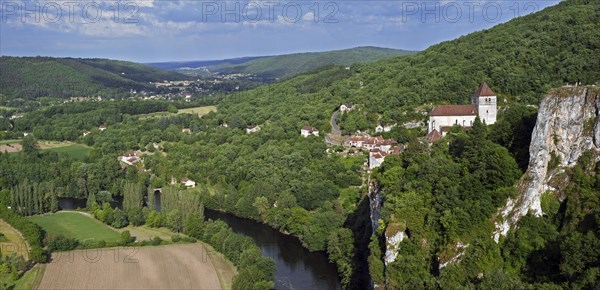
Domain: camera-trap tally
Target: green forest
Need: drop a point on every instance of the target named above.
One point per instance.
(31, 78)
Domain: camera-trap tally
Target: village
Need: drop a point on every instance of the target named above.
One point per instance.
(441, 119)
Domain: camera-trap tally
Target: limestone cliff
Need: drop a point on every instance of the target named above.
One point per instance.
(568, 125)
(392, 242)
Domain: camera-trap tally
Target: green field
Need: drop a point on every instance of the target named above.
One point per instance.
(31, 279)
(76, 151)
(10, 142)
(200, 111)
(76, 226)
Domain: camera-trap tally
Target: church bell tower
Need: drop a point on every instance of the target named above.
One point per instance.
(485, 100)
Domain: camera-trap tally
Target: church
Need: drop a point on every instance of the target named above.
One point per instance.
(442, 118)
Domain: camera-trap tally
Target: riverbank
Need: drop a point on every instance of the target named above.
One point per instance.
(296, 267)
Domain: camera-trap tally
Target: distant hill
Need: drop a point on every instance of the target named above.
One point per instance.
(35, 77)
(285, 66)
(175, 65)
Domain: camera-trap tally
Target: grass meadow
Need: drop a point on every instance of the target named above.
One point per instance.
(76, 226)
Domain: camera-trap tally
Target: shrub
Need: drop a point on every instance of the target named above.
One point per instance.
(156, 241)
(175, 238)
(126, 238)
(62, 243)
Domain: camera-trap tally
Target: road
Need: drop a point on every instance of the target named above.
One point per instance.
(336, 133)
(335, 129)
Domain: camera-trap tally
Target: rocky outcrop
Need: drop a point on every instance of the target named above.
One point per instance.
(392, 242)
(567, 126)
(460, 250)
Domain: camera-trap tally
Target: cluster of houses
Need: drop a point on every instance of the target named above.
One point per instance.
(377, 146)
(305, 131)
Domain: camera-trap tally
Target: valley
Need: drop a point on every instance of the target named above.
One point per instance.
(470, 164)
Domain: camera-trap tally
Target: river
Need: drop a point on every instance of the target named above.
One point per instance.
(296, 267)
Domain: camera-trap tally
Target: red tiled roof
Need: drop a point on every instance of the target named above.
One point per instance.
(309, 129)
(395, 150)
(434, 136)
(132, 160)
(389, 142)
(484, 91)
(454, 110)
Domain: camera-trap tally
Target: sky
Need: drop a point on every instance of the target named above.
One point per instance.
(157, 31)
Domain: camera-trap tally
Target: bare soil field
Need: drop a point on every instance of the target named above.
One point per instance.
(164, 267)
(10, 148)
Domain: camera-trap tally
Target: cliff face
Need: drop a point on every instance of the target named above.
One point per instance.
(568, 124)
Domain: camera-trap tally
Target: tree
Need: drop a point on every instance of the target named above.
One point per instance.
(119, 219)
(151, 198)
(126, 238)
(30, 145)
(375, 260)
(104, 196)
(340, 248)
(133, 197)
(173, 220)
(155, 219)
(194, 224)
(172, 109)
(53, 202)
(91, 203)
(136, 217)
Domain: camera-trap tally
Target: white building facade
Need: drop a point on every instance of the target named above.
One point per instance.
(308, 130)
(484, 105)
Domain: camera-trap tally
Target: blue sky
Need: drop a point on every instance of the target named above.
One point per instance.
(151, 31)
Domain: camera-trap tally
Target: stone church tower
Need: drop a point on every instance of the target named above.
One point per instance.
(485, 100)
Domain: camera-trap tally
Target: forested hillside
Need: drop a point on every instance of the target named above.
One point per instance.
(285, 66)
(35, 77)
(175, 65)
(520, 60)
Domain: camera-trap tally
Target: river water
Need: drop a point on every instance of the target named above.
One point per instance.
(296, 267)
